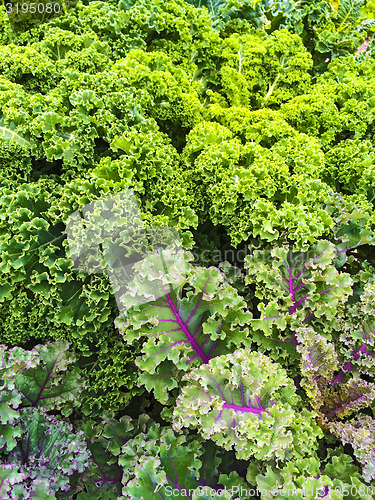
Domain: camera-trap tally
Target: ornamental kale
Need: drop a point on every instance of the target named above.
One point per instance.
(245, 401)
(359, 434)
(204, 318)
(322, 378)
(41, 450)
(295, 288)
(12, 362)
(48, 449)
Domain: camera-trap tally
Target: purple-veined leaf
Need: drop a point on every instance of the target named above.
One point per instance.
(356, 341)
(351, 397)
(12, 362)
(53, 384)
(103, 478)
(203, 318)
(298, 285)
(329, 396)
(48, 449)
(246, 402)
(318, 363)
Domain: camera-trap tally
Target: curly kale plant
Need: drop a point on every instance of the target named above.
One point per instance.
(39, 451)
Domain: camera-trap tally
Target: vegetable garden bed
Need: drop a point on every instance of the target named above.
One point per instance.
(187, 231)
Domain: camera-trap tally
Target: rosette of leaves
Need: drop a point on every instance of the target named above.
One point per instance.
(346, 163)
(15, 161)
(260, 70)
(315, 113)
(159, 463)
(80, 52)
(356, 338)
(359, 433)
(294, 288)
(338, 106)
(257, 178)
(48, 449)
(246, 402)
(199, 316)
(149, 163)
(13, 361)
(175, 96)
(328, 29)
(28, 66)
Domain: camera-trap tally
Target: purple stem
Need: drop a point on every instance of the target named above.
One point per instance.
(291, 289)
(349, 365)
(166, 349)
(347, 249)
(46, 397)
(152, 482)
(333, 412)
(242, 394)
(38, 398)
(309, 316)
(199, 325)
(183, 327)
(212, 349)
(196, 305)
(174, 468)
(105, 477)
(245, 408)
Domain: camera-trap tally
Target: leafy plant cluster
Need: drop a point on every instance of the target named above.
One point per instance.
(247, 126)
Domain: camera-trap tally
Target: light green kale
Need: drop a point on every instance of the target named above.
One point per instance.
(246, 402)
(188, 325)
(308, 478)
(293, 288)
(268, 190)
(260, 70)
